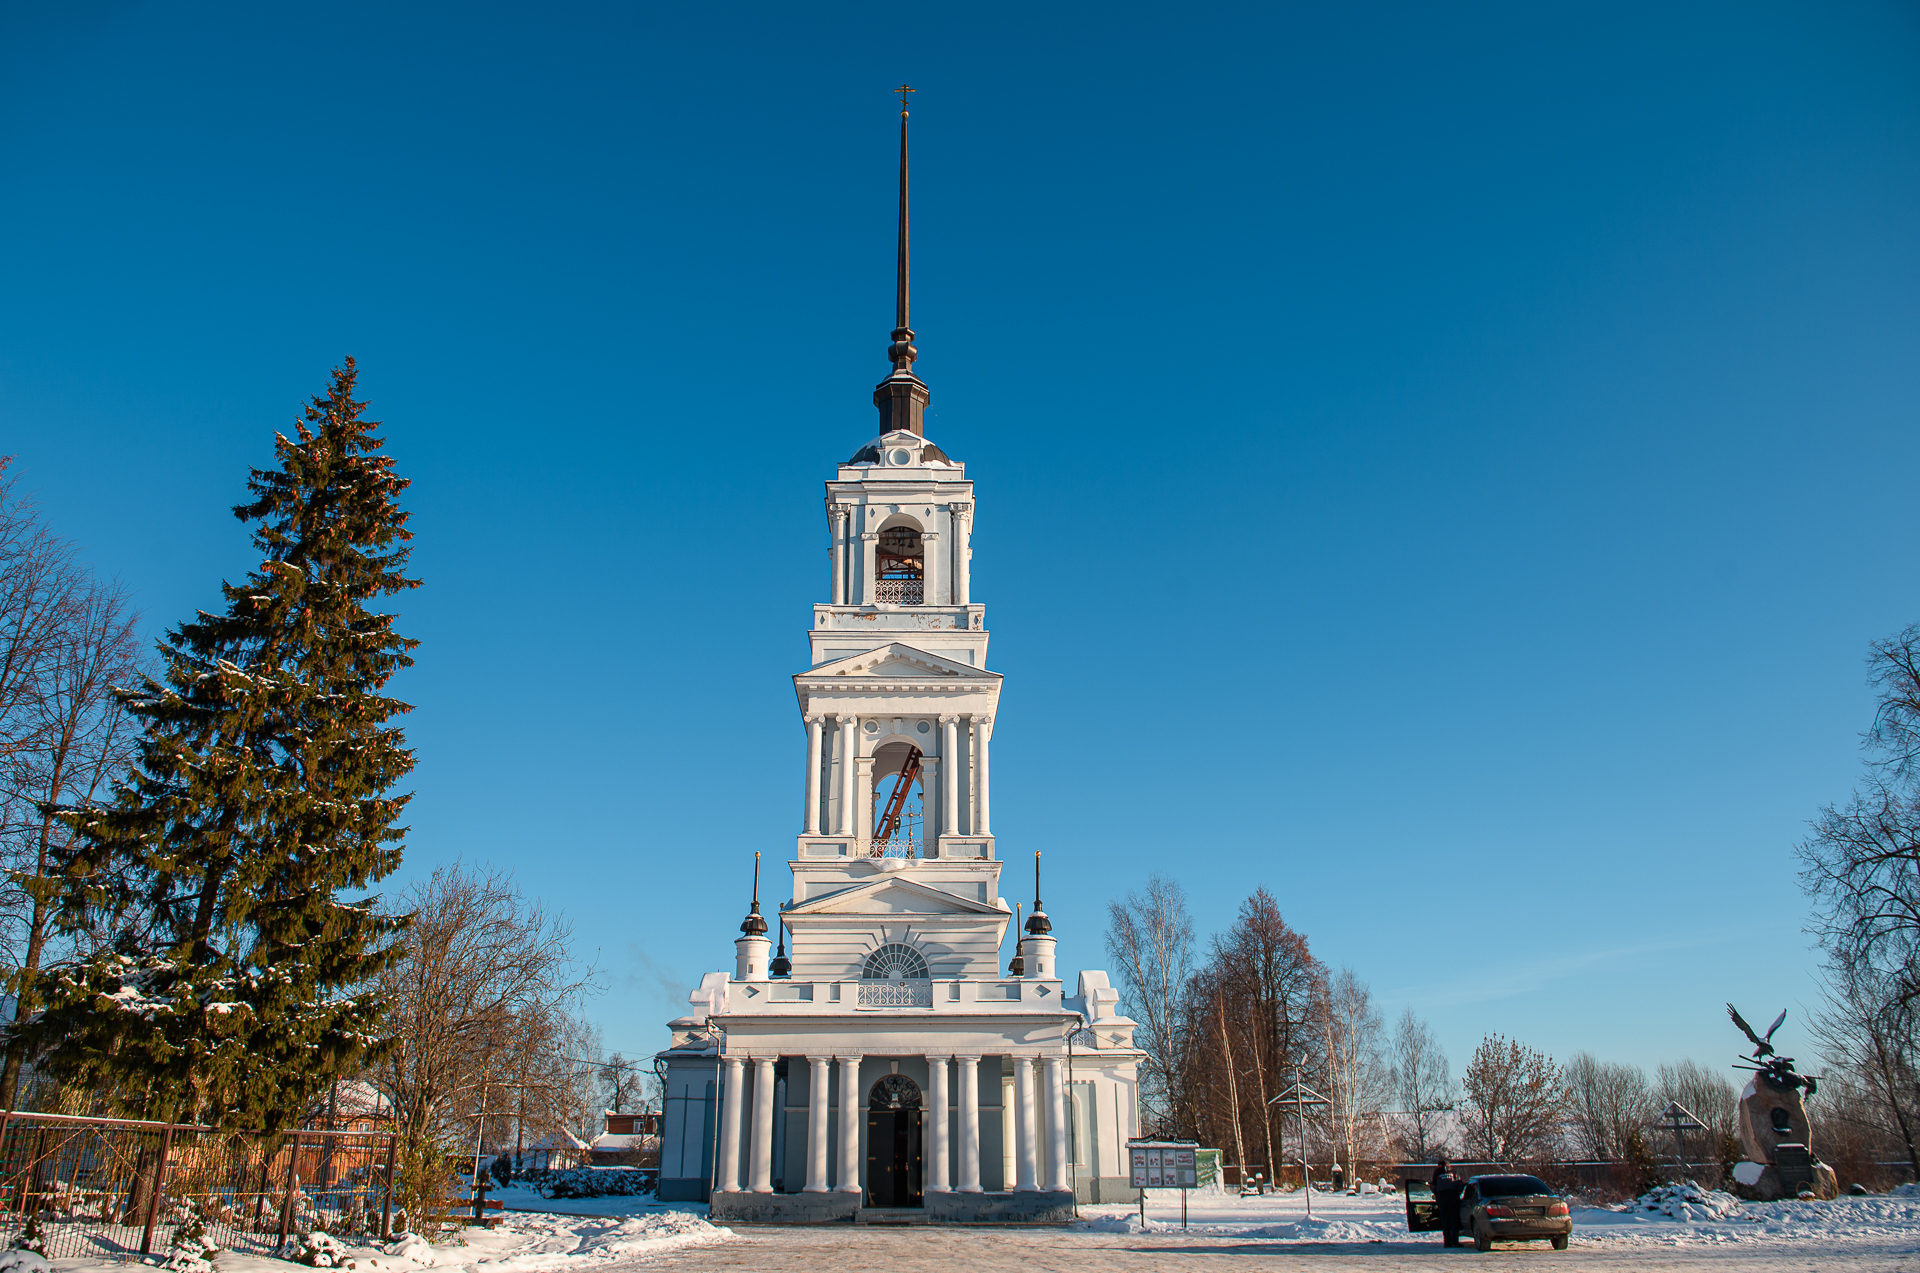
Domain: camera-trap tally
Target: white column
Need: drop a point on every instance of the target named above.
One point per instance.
(982, 731)
(1025, 1164)
(869, 566)
(819, 1075)
(863, 802)
(935, 1130)
(931, 576)
(962, 526)
(733, 1091)
(762, 1173)
(931, 825)
(967, 1075)
(848, 735)
(812, 823)
(837, 517)
(1059, 1169)
(949, 775)
(852, 1101)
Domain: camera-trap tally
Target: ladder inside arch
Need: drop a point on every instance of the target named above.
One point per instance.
(896, 803)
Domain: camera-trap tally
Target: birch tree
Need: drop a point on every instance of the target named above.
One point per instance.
(1358, 1077)
(1150, 946)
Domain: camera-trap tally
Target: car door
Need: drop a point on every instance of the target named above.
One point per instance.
(1423, 1213)
(1469, 1199)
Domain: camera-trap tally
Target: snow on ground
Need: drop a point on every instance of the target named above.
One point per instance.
(523, 1243)
(1671, 1217)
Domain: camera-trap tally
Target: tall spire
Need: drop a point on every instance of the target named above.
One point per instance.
(902, 397)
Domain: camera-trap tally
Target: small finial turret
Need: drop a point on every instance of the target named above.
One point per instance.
(1017, 966)
(781, 965)
(1038, 923)
(754, 925)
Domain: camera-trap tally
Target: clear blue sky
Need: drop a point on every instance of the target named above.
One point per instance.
(1442, 462)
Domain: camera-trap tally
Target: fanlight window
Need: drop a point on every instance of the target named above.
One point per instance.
(894, 1091)
(894, 961)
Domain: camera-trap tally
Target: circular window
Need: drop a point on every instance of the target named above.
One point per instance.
(901, 457)
(895, 961)
(873, 727)
(922, 727)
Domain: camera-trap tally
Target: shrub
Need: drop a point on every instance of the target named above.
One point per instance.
(595, 1182)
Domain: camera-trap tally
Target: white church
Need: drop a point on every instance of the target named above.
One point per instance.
(889, 1068)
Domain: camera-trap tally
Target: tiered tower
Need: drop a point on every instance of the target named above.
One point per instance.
(890, 1062)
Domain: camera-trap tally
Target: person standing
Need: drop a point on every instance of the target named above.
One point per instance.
(1447, 1188)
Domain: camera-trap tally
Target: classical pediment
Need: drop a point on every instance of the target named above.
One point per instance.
(896, 661)
(892, 895)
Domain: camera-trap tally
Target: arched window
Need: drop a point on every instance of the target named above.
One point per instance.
(901, 567)
(895, 961)
(894, 1091)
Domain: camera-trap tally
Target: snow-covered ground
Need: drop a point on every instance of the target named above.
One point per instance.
(522, 1243)
(1670, 1219)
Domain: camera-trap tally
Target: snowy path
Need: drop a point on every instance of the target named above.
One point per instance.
(841, 1249)
(1363, 1232)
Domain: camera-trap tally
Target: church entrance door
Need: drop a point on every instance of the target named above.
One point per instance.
(893, 1142)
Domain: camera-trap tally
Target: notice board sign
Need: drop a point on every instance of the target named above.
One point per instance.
(1163, 1164)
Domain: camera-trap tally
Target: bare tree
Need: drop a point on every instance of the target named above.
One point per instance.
(1423, 1087)
(624, 1088)
(485, 979)
(1514, 1102)
(67, 642)
(37, 572)
(1867, 1033)
(1608, 1104)
(1150, 943)
(1359, 1079)
(1862, 871)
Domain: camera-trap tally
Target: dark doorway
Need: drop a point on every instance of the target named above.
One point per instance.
(893, 1142)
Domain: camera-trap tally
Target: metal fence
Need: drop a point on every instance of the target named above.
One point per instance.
(106, 1187)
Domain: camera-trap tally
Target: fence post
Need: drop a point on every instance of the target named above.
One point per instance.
(386, 1208)
(6, 1123)
(159, 1186)
(293, 1178)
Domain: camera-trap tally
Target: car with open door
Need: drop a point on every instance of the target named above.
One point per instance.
(1512, 1208)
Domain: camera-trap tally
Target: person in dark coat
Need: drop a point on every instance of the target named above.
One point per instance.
(1447, 1188)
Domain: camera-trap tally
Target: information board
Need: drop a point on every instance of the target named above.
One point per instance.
(1163, 1165)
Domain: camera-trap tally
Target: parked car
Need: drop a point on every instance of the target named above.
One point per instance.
(1497, 1208)
(1508, 1207)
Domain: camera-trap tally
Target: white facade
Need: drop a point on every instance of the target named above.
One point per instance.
(898, 1063)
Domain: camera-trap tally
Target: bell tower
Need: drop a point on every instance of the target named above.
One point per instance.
(898, 702)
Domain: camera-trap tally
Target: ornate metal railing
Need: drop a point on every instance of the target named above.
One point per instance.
(910, 993)
(900, 592)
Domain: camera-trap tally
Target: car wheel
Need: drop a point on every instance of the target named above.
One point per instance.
(1482, 1240)
(1560, 1242)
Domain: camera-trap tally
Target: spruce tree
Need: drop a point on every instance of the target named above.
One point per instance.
(235, 988)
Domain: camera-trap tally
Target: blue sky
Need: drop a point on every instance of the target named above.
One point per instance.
(1443, 463)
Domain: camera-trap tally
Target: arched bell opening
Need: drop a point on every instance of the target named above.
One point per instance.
(900, 802)
(893, 1142)
(900, 566)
